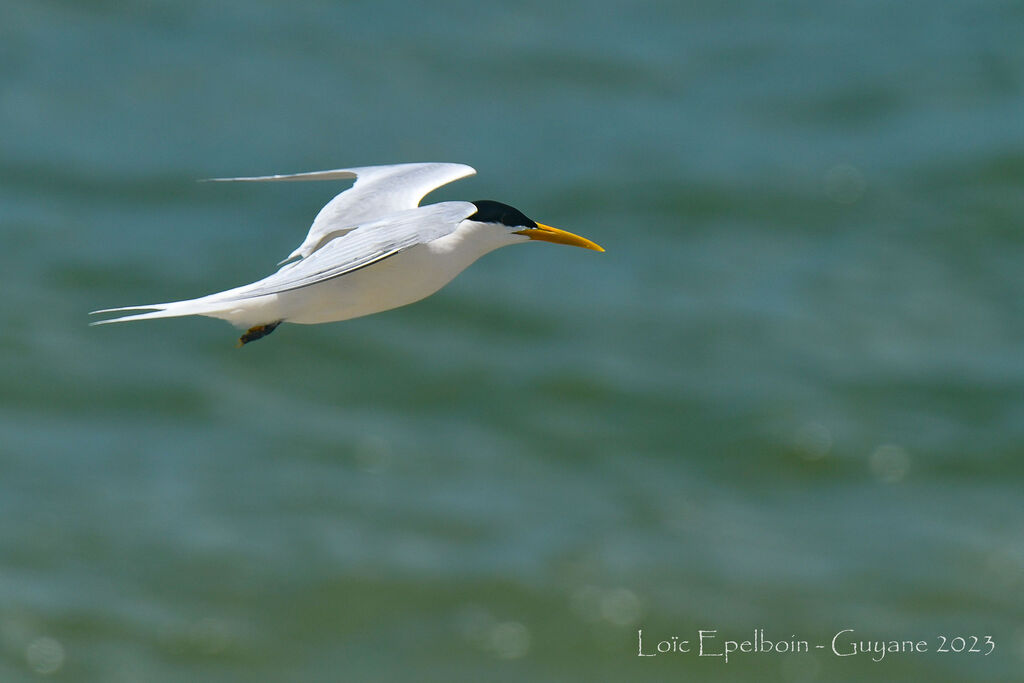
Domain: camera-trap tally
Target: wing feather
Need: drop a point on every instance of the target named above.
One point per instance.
(363, 246)
(378, 191)
(337, 174)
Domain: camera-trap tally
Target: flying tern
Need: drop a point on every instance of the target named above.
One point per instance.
(370, 249)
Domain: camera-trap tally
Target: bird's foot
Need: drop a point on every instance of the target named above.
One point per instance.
(257, 332)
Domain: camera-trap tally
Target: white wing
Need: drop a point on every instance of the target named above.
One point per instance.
(362, 246)
(377, 192)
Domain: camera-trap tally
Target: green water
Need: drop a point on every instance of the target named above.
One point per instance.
(789, 397)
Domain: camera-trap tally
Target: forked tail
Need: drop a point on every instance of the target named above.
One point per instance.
(173, 309)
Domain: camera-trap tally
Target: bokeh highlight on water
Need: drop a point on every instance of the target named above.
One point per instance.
(788, 397)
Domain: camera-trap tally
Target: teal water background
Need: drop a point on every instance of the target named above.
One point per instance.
(789, 397)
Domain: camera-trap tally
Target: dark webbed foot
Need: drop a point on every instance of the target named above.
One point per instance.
(257, 332)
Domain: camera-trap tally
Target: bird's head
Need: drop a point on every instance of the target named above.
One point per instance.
(516, 222)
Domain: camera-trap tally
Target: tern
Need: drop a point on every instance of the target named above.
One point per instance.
(370, 249)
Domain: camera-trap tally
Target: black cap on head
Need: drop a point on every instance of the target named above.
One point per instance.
(488, 211)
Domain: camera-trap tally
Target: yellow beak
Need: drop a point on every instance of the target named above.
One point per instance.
(545, 233)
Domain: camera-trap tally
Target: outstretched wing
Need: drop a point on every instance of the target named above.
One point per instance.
(363, 246)
(378, 191)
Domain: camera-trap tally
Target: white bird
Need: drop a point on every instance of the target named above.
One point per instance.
(370, 249)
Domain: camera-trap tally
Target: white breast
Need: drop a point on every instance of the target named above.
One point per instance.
(396, 281)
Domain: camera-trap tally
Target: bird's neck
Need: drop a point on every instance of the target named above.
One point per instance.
(471, 240)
